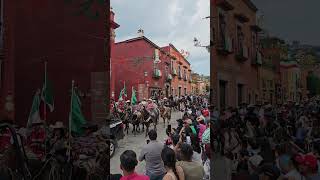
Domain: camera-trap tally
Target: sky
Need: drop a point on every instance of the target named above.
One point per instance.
(168, 21)
(292, 19)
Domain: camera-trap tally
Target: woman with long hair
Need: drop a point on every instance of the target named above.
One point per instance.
(169, 160)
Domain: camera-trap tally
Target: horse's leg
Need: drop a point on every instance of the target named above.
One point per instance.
(127, 127)
(147, 129)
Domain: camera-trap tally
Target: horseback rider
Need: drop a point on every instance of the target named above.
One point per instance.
(58, 142)
(37, 138)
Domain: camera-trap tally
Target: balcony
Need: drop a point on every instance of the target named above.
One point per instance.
(157, 73)
(241, 17)
(225, 5)
(242, 54)
(224, 45)
(169, 77)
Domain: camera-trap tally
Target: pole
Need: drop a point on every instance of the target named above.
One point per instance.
(44, 91)
(70, 119)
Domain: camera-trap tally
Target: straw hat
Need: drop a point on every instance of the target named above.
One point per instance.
(37, 122)
(57, 125)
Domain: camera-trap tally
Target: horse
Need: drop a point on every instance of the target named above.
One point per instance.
(136, 120)
(165, 113)
(150, 117)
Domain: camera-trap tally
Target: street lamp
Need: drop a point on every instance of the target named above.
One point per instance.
(197, 43)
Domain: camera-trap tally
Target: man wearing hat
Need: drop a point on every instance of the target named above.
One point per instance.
(37, 138)
(58, 142)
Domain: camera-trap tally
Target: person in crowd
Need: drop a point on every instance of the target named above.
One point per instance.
(58, 145)
(173, 172)
(289, 168)
(151, 153)
(37, 138)
(202, 127)
(206, 164)
(128, 163)
(192, 170)
(308, 166)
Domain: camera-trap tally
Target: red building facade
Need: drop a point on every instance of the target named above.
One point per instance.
(113, 26)
(73, 46)
(141, 64)
(180, 72)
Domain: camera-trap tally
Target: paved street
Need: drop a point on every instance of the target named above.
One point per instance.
(135, 143)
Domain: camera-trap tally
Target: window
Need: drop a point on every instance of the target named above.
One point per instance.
(171, 65)
(222, 28)
(240, 38)
(254, 47)
(222, 93)
(166, 70)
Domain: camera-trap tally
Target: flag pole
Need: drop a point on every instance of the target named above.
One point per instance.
(44, 91)
(70, 119)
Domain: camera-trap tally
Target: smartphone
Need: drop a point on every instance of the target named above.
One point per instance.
(188, 140)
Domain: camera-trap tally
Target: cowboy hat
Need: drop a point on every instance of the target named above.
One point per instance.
(268, 106)
(57, 125)
(37, 122)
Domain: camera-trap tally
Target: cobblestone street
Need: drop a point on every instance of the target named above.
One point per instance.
(135, 143)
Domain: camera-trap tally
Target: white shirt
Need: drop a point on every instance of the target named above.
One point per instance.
(196, 157)
(294, 174)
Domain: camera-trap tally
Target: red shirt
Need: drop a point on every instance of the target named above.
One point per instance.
(37, 137)
(135, 176)
(205, 113)
(5, 139)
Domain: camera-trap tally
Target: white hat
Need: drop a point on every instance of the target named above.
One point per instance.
(165, 98)
(268, 106)
(58, 125)
(37, 121)
(150, 99)
(128, 101)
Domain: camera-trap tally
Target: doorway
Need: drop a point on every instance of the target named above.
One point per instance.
(222, 94)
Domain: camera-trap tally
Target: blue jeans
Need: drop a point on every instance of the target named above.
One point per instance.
(155, 177)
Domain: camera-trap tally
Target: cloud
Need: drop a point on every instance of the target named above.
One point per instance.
(168, 21)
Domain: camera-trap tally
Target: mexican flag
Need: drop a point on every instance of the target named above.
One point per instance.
(123, 93)
(76, 118)
(133, 97)
(34, 112)
(47, 101)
